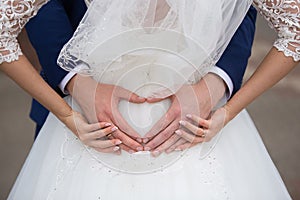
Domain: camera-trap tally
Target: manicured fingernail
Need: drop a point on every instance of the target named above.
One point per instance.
(107, 124)
(177, 149)
(131, 151)
(118, 142)
(114, 128)
(116, 148)
(139, 149)
(155, 153)
(141, 98)
(145, 140)
(183, 123)
(178, 132)
(189, 116)
(147, 148)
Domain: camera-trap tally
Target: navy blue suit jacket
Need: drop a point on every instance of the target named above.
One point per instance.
(57, 20)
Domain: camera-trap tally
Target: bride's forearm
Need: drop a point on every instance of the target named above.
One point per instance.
(23, 73)
(272, 69)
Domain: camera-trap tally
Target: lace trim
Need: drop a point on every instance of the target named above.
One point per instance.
(11, 57)
(14, 14)
(283, 16)
(284, 48)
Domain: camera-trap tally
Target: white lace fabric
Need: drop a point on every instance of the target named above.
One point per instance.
(284, 17)
(14, 14)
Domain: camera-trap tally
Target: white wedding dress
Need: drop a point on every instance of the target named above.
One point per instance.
(234, 165)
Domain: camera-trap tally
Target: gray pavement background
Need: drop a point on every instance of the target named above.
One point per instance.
(276, 115)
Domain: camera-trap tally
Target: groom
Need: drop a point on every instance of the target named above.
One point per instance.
(53, 27)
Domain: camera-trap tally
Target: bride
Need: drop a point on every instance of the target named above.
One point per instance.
(153, 54)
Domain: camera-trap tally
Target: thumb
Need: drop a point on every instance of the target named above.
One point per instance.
(130, 96)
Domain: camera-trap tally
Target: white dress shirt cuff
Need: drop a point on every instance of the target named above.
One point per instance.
(222, 74)
(62, 85)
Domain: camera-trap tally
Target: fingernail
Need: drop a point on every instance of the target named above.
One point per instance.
(116, 148)
(178, 132)
(177, 149)
(118, 142)
(145, 140)
(139, 149)
(156, 153)
(189, 116)
(114, 128)
(107, 124)
(117, 152)
(183, 123)
(147, 148)
(131, 151)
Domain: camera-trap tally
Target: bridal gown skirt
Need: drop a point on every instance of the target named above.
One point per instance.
(238, 167)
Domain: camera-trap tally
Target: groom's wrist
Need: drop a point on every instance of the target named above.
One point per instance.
(227, 80)
(216, 87)
(64, 84)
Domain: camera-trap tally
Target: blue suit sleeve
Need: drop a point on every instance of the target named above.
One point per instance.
(235, 58)
(48, 31)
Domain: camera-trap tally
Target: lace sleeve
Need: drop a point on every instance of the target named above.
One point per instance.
(284, 17)
(14, 14)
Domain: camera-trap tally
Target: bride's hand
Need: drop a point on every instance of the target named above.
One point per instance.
(93, 135)
(199, 129)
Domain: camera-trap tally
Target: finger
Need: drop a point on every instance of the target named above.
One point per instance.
(167, 144)
(174, 146)
(123, 146)
(162, 123)
(104, 124)
(159, 95)
(128, 141)
(154, 99)
(109, 149)
(162, 136)
(130, 96)
(185, 146)
(126, 148)
(200, 121)
(102, 144)
(103, 132)
(194, 129)
(123, 125)
(189, 137)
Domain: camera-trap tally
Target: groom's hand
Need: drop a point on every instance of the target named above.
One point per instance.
(196, 99)
(99, 102)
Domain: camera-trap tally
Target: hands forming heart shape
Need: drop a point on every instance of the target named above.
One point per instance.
(143, 124)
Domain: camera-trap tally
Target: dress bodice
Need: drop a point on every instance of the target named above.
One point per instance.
(282, 15)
